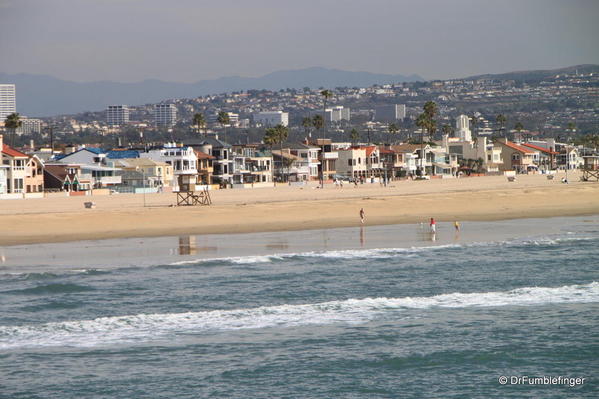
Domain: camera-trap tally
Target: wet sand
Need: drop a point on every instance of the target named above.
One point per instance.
(295, 208)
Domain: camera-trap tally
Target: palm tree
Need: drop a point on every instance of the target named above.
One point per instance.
(474, 124)
(269, 140)
(12, 122)
(354, 136)
(318, 122)
(326, 94)
(447, 129)
(519, 127)
(501, 119)
(277, 134)
(426, 121)
(199, 121)
(223, 119)
(392, 129)
(307, 124)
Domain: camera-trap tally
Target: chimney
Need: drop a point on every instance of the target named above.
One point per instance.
(31, 144)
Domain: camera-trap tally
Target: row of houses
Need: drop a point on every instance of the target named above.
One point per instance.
(218, 164)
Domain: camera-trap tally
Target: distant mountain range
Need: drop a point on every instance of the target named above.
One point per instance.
(41, 95)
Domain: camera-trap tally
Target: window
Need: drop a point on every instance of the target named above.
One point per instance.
(349, 162)
(515, 157)
(489, 157)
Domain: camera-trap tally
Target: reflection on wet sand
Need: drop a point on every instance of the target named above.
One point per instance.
(187, 245)
(280, 245)
(425, 234)
(362, 240)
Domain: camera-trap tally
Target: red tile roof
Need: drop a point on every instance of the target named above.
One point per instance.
(202, 155)
(12, 152)
(538, 148)
(517, 147)
(370, 149)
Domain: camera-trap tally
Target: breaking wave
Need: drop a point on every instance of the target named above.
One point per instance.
(147, 327)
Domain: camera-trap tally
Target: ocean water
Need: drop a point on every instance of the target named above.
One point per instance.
(371, 312)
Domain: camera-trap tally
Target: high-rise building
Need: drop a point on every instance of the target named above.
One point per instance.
(30, 126)
(390, 113)
(8, 102)
(462, 125)
(272, 118)
(337, 114)
(165, 115)
(117, 115)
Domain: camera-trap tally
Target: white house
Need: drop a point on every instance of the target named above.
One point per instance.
(182, 159)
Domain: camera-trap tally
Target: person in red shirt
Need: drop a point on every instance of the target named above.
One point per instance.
(433, 226)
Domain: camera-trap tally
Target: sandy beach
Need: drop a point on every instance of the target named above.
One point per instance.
(296, 208)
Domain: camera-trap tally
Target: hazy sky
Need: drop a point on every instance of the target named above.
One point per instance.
(191, 40)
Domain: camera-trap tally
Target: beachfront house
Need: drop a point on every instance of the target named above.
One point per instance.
(252, 164)
(515, 157)
(543, 157)
(16, 163)
(290, 167)
(418, 157)
(3, 179)
(183, 160)
(479, 149)
(83, 156)
(65, 177)
(352, 162)
(308, 153)
(34, 175)
(138, 173)
(205, 168)
(222, 161)
(328, 157)
(443, 162)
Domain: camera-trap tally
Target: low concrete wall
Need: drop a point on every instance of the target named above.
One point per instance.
(101, 191)
(11, 196)
(78, 193)
(57, 194)
(33, 195)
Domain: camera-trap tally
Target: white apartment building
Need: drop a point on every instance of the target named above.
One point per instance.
(165, 115)
(183, 160)
(8, 102)
(117, 115)
(337, 114)
(30, 126)
(390, 113)
(271, 118)
(462, 125)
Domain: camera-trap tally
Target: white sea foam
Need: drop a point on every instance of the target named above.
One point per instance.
(147, 327)
(374, 253)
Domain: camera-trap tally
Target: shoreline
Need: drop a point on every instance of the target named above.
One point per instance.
(293, 208)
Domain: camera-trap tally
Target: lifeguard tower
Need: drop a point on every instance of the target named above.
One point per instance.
(590, 168)
(188, 195)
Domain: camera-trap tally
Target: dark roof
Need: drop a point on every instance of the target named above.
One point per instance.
(95, 150)
(215, 143)
(120, 154)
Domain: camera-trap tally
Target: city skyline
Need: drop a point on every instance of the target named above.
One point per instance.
(191, 41)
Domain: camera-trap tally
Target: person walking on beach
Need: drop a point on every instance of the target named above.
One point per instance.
(456, 224)
(433, 226)
(362, 215)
